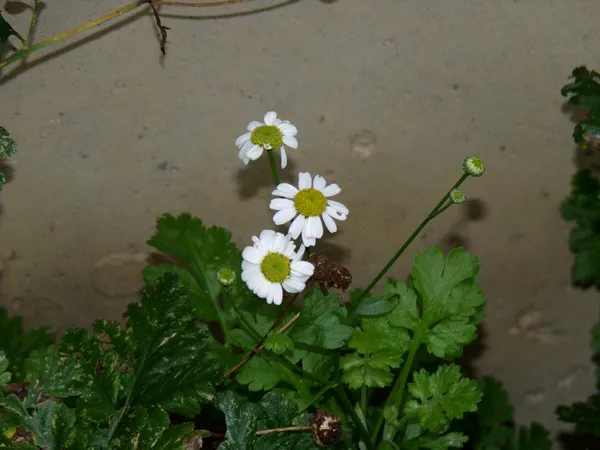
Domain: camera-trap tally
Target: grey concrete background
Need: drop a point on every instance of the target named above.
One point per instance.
(389, 96)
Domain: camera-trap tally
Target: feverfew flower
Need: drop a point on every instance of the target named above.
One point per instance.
(473, 166)
(270, 135)
(272, 265)
(308, 204)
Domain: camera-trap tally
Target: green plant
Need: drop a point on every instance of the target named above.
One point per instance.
(209, 335)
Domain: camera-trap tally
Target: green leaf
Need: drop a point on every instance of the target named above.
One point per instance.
(379, 348)
(440, 397)
(378, 305)
(4, 375)
(321, 323)
(584, 415)
(175, 437)
(6, 31)
(583, 207)
(406, 314)
(141, 428)
(279, 343)
(441, 442)
(495, 408)
(52, 425)
(204, 251)
(261, 374)
(57, 375)
(452, 303)
(18, 344)
(241, 419)
(584, 93)
(595, 332)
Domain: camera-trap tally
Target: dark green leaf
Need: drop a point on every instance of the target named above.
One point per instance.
(585, 415)
(376, 306)
(440, 397)
(241, 419)
(6, 31)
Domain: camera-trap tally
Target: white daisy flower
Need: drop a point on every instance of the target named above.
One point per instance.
(270, 135)
(272, 265)
(308, 204)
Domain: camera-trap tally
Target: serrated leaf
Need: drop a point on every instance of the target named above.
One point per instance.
(378, 305)
(441, 442)
(241, 419)
(56, 375)
(279, 343)
(175, 437)
(452, 303)
(8, 146)
(4, 375)
(52, 425)
(18, 344)
(260, 374)
(204, 251)
(379, 348)
(584, 415)
(406, 314)
(141, 428)
(321, 323)
(440, 397)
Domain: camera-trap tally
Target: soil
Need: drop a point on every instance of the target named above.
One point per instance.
(388, 97)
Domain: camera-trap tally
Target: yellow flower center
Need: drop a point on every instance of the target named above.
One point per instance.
(267, 136)
(310, 202)
(275, 267)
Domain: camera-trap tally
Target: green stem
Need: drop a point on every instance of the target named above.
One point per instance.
(443, 208)
(400, 384)
(273, 167)
(27, 50)
(36, 12)
(412, 237)
(363, 399)
(340, 394)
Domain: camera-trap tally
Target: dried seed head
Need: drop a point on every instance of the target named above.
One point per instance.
(327, 429)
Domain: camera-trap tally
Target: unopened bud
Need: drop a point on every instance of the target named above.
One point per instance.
(457, 196)
(473, 166)
(226, 277)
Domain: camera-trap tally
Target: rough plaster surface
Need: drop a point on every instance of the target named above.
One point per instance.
(389, 96)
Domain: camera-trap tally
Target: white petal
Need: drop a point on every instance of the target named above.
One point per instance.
(331, 190)
(299, 253)
(254, 153)
(338, 206)
(304, 180)
(293, 285)
(284, 216)
(252, 255)
(290, 141)
(266, 236)
(285, 190)
(283, 157)
(307, 239)
(254, 124)
(270, 118)
(276, 294)
(242, 139)
(277, 204)
(278, 122)
(319, 183)
(287, 129)
(297, 226)
(263, 288)
(316, 227)
(303, 267)
(335, 213)
(329, 222)
(279, 243)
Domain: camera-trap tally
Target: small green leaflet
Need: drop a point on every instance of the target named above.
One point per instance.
(440, 397)
(18, 344)
(4, 375)
(583, 207)
(378, 305)
(585, 415)
(379, 348)
(8, 147)
(584, 93)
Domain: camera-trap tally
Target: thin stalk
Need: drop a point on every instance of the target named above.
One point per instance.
(67, 34)
(36, 12)
(412, 237)
(273, 164)
(400, 383)
(443, 208)
(363, 400)
(340, 394)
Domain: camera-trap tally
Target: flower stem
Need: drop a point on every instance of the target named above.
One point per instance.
(283, 430)
(363, 399)
(34, 16)
(400, 383)
(412, 237)
(273, 167)
(340, 394)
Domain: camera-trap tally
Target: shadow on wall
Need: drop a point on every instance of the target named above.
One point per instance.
(473, 210)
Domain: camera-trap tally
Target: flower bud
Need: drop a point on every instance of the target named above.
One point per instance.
(457, 196)
(226, 277)
(473, 166)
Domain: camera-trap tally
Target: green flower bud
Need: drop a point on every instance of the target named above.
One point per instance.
(457, 196)
(473, 166)
(226, 277)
